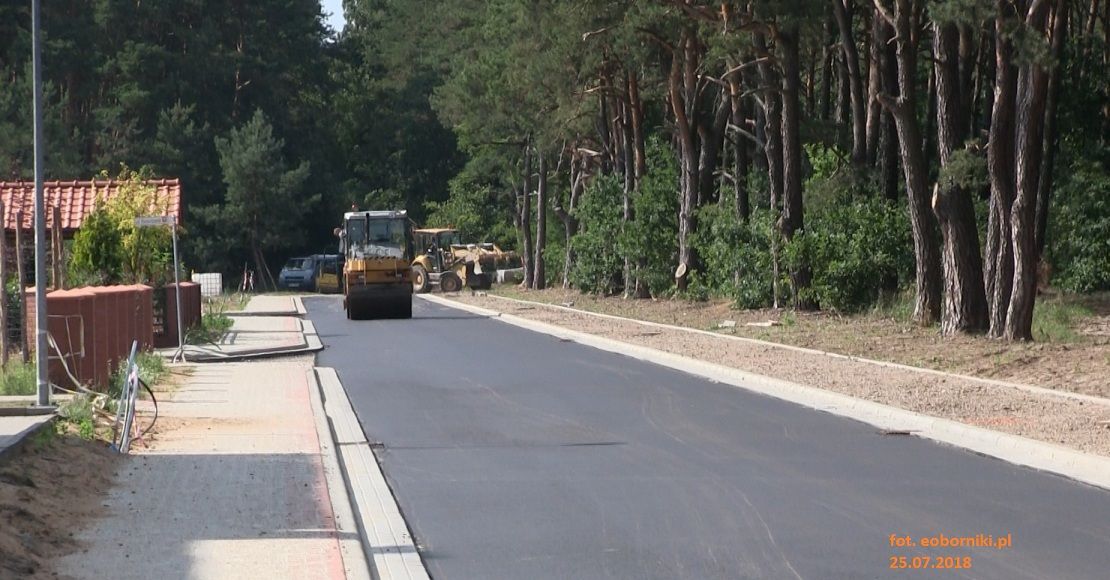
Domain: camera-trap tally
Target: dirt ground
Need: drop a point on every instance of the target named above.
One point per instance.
(1078, 423)
(48, 491)
(1080, 364)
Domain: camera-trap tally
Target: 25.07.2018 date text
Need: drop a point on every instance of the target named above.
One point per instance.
(930, 562)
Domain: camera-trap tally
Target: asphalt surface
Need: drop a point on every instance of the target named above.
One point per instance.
(516, 455)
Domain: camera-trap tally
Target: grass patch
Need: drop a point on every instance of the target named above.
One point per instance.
(1055, 320)
(79, 413)
(18, 378)
(152, 368)
(214, 324)
(229, 302)
(896, 306)
(44, 437)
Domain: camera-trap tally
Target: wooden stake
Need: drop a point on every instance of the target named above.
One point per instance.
(20, 287)
(56, 250)
(4, 343)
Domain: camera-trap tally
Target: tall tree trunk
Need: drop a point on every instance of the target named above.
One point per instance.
(740, 160)
(711, 138)
(792, 215)
(965, 302)
(969, 60)
(888, 133)
(684, 90)
(539, 272)
(525, 223)
(827, 73)
(1044, 188)
(855, 82)
(636, 106)
(566, 215)
(1032, 92)
(1000, 167)
(880, 36)
(773, 147)
(926, 252)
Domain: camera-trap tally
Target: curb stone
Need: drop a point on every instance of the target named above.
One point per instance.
(355, 564)
(21, 438)
(385, 535)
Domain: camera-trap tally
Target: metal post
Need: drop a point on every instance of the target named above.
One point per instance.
(177, 291)
(41, 353)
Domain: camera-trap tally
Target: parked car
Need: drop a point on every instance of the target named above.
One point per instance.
(298, 274)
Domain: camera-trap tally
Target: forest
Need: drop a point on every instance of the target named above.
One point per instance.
(808, 154)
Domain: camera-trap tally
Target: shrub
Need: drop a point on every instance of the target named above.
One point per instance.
(98, 249)
(1079, 232)
(598, 262)
(650, 240)
(736, 256)
(853, 249)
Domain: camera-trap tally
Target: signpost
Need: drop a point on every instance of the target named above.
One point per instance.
(169, 220)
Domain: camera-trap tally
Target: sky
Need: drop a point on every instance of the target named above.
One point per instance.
(335, 8)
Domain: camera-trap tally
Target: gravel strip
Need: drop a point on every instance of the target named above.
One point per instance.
(1076, 424)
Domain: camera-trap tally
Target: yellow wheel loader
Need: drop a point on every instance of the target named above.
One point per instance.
(377, 267)
(445, 261)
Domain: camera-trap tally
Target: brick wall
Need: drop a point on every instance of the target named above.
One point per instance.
(93, 328)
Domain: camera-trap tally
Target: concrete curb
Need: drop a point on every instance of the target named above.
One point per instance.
(385, 534)
(355, 564)
(21, 438)
(1084, 467)
(311, 343)
(992, 382)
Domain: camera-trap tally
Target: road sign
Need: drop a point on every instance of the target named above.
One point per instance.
(169, 220)
(155, 220)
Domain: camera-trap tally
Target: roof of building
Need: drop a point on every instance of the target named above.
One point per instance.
(77, 199)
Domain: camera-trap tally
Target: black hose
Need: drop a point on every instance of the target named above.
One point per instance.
(154, 400)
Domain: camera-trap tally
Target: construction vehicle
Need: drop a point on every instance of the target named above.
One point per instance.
(451, 265)
(329, 269)
(377, 267)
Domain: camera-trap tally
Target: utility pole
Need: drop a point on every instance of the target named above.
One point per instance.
(41, 354)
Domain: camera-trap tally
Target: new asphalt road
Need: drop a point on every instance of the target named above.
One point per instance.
(517, 455)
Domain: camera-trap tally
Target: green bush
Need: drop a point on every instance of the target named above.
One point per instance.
(1079, 232)
(598, 263)
(853, 249)
(650, 240)
(736, 256)
(18, 379)
(98, 250)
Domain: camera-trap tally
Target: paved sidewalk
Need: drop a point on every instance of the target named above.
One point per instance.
(234, 486)
(15, 428)
(272, 306)
(257, 336)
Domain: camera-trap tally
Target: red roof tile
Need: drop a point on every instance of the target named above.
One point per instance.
(76, 199)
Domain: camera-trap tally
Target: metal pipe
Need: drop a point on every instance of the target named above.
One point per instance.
(41, 338)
